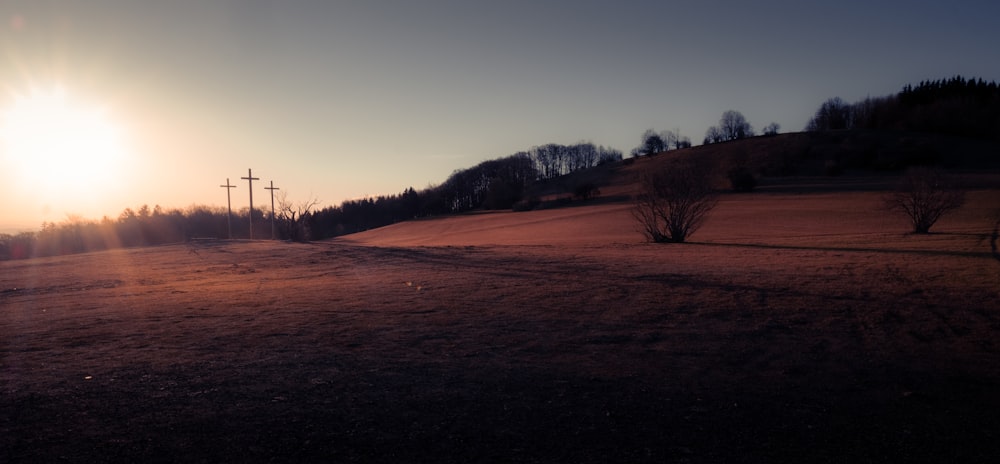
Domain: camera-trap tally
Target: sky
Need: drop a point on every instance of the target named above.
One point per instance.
(336, 100)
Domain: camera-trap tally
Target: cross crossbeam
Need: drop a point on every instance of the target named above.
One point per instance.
(272, 188)
(229, 208)
(250, 178)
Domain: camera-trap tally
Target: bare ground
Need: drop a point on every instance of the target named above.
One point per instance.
(519, 337)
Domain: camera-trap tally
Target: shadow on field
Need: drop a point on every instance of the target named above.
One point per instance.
(886, 251)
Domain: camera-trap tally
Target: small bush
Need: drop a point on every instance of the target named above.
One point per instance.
(586, 191)
(673, 202)
(924, 195)
(742, 180)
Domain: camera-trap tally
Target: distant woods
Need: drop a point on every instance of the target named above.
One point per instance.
(956, 106)
(657, 142)
(503, 183)
(500, 183)
(732, 126)
(140, 227)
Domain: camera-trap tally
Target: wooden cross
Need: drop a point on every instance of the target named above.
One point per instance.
(229, 207)
(250, 178)
(272, 188)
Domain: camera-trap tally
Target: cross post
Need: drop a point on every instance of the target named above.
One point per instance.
(229, 208)
(272, 188)
(250, 178)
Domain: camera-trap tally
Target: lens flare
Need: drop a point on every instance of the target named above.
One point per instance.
(51, 140)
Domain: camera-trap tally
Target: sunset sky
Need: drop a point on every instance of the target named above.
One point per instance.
(339, 100)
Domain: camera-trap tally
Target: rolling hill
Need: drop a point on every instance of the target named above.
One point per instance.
(812, 184)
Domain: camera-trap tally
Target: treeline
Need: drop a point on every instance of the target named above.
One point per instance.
(554, 160)
(503, 182)
(652, 142)
(368, 213)
(955, 106)
(500, 183)
(140, 227)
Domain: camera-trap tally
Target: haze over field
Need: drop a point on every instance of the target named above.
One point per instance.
(347, 99)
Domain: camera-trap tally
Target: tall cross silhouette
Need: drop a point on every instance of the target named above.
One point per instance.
(272, 188)
(250, 178)
(229, 207)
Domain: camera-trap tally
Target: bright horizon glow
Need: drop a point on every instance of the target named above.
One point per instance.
(55, 142)
(63, 156)
(58, 149)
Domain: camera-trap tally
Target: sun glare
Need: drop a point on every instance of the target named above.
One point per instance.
(51, 140)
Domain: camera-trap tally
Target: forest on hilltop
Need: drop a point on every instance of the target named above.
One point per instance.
(954, 107)
(957, 106)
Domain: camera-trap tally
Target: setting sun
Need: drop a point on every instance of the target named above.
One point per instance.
(52, 140)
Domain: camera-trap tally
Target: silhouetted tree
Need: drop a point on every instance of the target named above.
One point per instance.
(772, 129)
(673, 202)
(713, 135)
(833, 114)
(732, 126)
(683, 142)
(294, 218)
(924, 195)
(652, 142)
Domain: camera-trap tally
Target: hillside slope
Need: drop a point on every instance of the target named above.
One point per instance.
(851, 160)
(826, 184)
(819, 220)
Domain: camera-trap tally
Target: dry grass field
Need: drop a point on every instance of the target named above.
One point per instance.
(795, 328)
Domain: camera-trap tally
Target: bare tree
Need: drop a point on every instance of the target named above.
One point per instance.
(833, 114)
(924, 195)
(292, 217)
(713, 135)
(653, 143)
(732, 126)
(772, 129)
(673, 202)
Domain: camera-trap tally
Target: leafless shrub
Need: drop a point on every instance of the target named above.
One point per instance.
(924, 195)
(673, 202)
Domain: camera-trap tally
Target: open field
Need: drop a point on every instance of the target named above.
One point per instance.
(805, 328)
